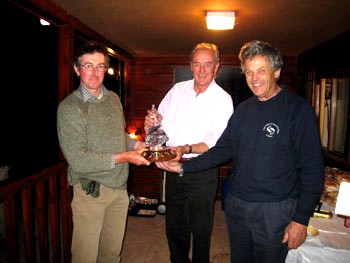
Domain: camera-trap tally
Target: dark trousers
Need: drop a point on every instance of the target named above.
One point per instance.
(189, 210)
(256, 229)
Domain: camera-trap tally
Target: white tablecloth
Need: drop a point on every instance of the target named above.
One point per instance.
(331, 245)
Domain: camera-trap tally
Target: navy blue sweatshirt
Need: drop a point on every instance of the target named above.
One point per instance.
(276, 152)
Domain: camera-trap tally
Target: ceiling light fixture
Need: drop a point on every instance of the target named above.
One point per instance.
(220, 20)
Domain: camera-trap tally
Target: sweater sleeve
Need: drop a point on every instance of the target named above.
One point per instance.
(309, 163)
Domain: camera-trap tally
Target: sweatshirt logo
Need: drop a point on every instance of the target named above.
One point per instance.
(271, 129)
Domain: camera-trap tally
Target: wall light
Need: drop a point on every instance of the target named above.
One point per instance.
(44, 22)
(110, 71)
(133, 135)
(220, 20)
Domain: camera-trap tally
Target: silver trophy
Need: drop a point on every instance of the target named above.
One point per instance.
(155, 140)
(155, 137)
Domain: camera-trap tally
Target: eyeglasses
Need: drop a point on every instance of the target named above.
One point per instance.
(90, 67)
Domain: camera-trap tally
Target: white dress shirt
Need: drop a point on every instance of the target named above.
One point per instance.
(189, 118)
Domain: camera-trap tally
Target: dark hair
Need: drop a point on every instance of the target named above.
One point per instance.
(259, 48)
(90, 48)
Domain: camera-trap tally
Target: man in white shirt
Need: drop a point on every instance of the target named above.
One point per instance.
(194, 114)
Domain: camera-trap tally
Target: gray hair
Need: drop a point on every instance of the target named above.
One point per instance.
(259, 48)
(208, 46)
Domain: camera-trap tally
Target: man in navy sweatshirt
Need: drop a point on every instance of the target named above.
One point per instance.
(273, 141)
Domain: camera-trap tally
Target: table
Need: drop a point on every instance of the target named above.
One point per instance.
(331, 245)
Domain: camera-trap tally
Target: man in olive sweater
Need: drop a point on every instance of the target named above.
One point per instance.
(91, 132)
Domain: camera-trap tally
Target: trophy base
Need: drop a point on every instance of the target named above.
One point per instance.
(161, 155)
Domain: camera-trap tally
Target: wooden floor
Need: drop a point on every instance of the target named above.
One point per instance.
(145, 240)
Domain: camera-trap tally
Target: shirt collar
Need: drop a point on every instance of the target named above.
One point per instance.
(86, 95)
(208, 89)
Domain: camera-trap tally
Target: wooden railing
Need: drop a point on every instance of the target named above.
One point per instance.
(38, 217)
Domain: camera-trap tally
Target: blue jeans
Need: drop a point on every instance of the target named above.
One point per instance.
(256, 229)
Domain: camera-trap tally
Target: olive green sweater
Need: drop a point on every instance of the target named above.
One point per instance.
(90, 133)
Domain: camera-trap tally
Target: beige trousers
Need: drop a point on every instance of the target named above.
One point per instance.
(98, 225)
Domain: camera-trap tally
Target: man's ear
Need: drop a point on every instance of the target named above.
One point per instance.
(277, 73)
(76, 70)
